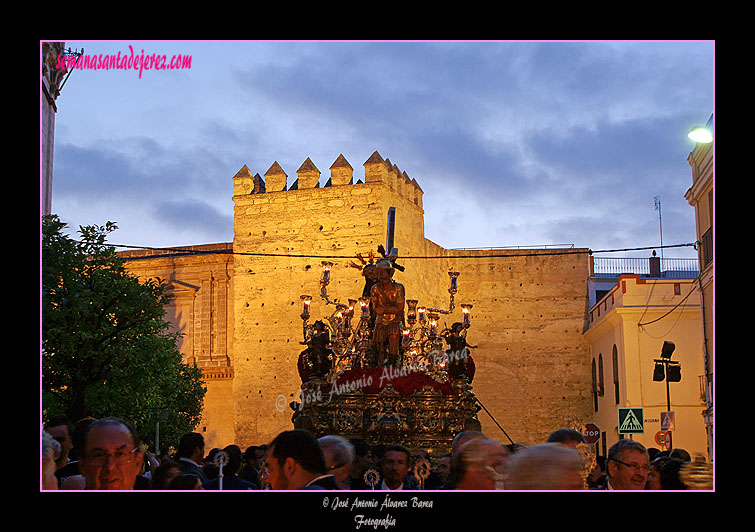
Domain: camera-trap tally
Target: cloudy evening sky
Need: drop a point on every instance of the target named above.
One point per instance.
(513, 143)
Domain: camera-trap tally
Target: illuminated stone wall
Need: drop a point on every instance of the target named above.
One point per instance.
(201, 286)
(533, 366)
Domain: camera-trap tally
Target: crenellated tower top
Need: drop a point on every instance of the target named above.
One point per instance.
(376, 170)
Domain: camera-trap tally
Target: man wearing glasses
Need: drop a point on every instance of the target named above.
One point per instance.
(112, 456)
(627, 466)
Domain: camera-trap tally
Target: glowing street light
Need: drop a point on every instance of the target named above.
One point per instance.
(700, 134)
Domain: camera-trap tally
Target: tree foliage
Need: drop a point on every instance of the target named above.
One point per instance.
(106, 347)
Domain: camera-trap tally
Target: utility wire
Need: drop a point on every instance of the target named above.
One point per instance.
(692, 291)
(483, 256)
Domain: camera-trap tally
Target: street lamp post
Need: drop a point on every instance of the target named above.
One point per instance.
(670, 371)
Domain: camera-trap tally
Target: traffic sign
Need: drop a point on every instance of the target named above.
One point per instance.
(663, 439)
(631, 421)
(668, 420)
(592, 433)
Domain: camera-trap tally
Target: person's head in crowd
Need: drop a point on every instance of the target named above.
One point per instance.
(185, 481)
(478, 464)
(191, 446)
(653, 453)
(395, 465)
(627, 465)
(362, 456)
(210, 458)
(597, 477)
(77, 438)
(654, 474)
(61, 429)
(443, 468)
(294, 459)
(566, 437)
(463, 437)
(680, 454)
(112, 456)
(250, 457)
(209, 467)
(235, 459)
(339, 455)
(164, 473)
(545, 466)
(376, 454)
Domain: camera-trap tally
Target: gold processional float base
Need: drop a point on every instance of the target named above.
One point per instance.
(409, 409)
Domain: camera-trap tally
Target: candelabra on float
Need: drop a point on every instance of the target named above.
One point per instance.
(421, 345)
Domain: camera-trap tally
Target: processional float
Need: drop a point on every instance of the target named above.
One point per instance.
(381, 369)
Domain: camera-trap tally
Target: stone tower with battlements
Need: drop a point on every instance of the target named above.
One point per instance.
(340, 218)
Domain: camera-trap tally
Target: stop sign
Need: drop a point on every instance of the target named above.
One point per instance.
(592, 433)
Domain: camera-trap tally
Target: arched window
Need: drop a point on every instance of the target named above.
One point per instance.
(594, 386)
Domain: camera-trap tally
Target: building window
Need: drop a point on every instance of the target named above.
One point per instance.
(594, 386)
(601, 386)
(616, 373)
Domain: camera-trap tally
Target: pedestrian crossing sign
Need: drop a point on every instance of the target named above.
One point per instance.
(631, 421)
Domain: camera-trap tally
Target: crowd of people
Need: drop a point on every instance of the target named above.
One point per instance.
(107, 454)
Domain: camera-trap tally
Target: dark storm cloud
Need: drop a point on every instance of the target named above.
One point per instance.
(383, 88)
(134, 168)
(614, 164)
(93, 173)
(192, 216)
(145, 187)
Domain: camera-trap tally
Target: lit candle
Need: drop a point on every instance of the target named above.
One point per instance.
(422, 317)
(306, 300)
(365, 303)
(466, 315)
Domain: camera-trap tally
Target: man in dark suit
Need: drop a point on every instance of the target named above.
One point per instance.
(296, 462)
(190, 453)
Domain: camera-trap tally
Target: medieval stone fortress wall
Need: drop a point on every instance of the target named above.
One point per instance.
(240, 311)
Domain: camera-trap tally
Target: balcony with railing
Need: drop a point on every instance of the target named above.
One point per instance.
(611, 267)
